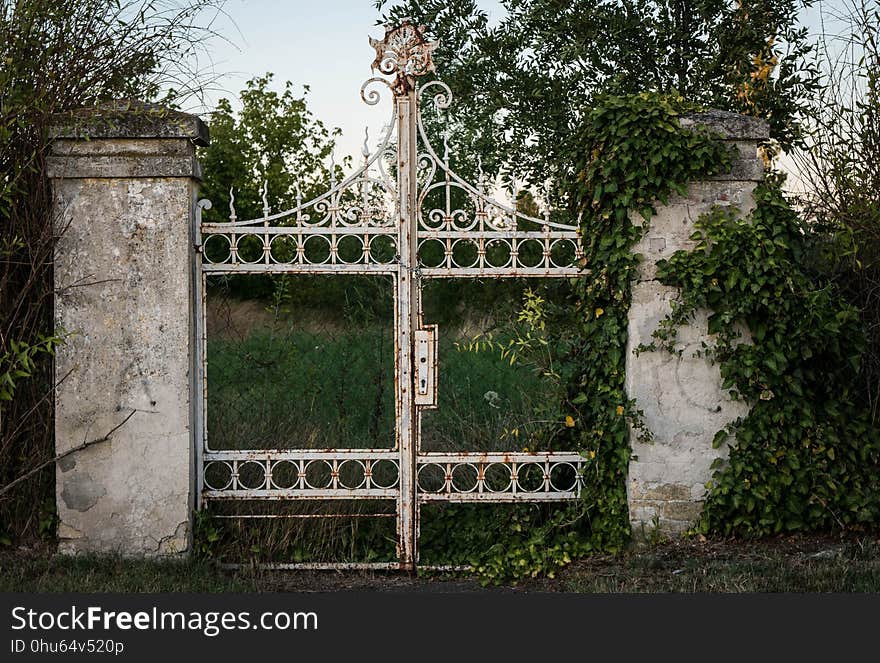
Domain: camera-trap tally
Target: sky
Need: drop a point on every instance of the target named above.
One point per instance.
(319, 43)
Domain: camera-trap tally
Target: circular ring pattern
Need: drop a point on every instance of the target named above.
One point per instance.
(432, 478)
(383, 248)
(562, 253)
(498, 253)
(285, 475)
(318, 474)
(561, 474)
(465, 253)
(250, 249)
(384, 474)
(251, 475)
(282, 249)
(465, 478)
(530, 477)
(432, 253)
(530, 252)
(217, 249)
(316, 250)
(350, 249)
(217, 475)
(352, 474)
(497, 477)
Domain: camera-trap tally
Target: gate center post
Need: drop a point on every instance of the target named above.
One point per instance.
(407, 320)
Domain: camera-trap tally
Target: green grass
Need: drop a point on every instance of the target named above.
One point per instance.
(795, 564)
(291, 388)
(21, 572)
(784, 564)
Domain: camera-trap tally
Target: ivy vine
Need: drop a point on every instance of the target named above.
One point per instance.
(631, 152)
(806, 456)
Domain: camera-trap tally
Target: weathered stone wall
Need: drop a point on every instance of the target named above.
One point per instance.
(681, 395)
(124, 193)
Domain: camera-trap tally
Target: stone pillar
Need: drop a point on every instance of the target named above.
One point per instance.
(681, 396)
(125, 180)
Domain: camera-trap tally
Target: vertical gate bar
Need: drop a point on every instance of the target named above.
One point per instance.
(407, 296)
(199, 355)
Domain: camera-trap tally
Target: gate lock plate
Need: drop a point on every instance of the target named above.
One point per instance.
(426, 366)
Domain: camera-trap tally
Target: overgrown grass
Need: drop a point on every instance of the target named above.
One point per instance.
(293, 388)
(790, 564)
(21, 572)
(797, 564)
(296, 388)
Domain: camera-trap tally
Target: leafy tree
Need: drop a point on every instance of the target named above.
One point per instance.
(839, 168)
(523, 85)
(274, 146)
(273, 140)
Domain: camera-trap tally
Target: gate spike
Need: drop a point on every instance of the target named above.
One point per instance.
(364, 185)
(547, 200)
(265, 199)
(333, 168)
(365, 150)
(446, 147)
(232, 216)
(299, 201)
(515, 201)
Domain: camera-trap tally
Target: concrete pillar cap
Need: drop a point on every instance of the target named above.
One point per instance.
(128, 118)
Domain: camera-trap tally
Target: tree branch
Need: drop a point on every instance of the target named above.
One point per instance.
(27, 475)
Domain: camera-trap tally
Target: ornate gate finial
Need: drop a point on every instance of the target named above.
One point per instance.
(404, 51)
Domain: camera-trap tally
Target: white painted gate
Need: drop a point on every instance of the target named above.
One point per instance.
(382, 209)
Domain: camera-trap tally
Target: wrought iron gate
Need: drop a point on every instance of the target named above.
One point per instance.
(383, 210)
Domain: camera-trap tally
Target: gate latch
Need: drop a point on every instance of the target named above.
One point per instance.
(426, 366)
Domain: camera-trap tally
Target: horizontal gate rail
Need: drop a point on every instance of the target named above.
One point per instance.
(308, 494)
(301, 474)
(476, 272)
(499, 476)
(301, 454)
(292, 268)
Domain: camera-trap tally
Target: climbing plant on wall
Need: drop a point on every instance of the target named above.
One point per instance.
(630, 153)
(806, 456)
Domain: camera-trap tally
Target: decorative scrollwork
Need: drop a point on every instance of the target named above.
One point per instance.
(463, 231)
(372, 97)
(404, 51)
(499, 477)
(442, 98)
(356, 474)
(312, 236)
